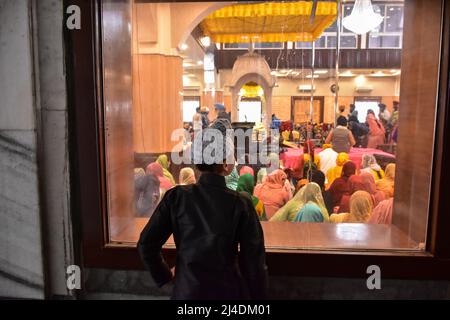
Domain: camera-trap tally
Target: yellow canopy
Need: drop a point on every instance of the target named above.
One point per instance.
(250, 90)
(269, 22)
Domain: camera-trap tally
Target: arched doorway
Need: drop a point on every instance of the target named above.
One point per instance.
(252, 68)
(251, 103)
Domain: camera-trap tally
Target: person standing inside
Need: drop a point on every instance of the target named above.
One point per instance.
(353, 112)
(376, 130)
(394, 123)
(341, 137)
(385, 118)
(341, 111)
(359, 131)
(220, 253)
(197, 124)
(384, 115)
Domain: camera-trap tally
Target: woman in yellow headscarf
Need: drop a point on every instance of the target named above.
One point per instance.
(361, 206)
(386, 184)
(163, 161)
(336, 172)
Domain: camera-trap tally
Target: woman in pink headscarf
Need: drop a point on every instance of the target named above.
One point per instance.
(272, 192)
(382, 214)
(371, 187)
(376, 130)
(246, 169)
(156, 169)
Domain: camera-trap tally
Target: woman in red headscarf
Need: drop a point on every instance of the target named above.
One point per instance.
(247, 169)
(341, 185)
(364, 182)
(355, 183)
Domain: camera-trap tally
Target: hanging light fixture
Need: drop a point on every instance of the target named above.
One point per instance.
(363, 18)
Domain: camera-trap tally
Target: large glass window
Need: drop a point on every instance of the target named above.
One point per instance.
(328, 40)
(389, 34)
(380, 202)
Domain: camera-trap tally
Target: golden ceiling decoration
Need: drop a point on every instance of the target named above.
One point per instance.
(269, 22)
(251, 90)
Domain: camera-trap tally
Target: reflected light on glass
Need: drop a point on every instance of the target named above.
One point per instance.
(352, 232)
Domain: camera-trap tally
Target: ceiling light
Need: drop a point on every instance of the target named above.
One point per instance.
(363, 18)
(315, 76)
(183, 46)
(205, 41)
(320, 71)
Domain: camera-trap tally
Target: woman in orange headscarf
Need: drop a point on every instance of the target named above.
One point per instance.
(272, 192)
(386, 184)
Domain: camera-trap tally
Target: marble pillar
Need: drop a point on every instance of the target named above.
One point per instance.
(21, 260)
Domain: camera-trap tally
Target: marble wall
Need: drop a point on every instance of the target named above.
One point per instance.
(21, 262)
(35, 224)
(54, 148)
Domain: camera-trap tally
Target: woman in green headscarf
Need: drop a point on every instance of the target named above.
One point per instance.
(246, 185)
(232, 179)
(163, 161)
(310, 193)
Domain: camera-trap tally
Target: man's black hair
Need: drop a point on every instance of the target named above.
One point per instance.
(341, 121)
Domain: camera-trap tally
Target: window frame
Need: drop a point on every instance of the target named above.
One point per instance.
(384, 32)
(88, 189)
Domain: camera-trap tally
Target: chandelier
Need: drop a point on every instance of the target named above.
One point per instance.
(362, 19)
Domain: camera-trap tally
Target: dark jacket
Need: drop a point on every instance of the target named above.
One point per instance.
(208, 222)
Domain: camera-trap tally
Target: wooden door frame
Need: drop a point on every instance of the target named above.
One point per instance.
(319, 98)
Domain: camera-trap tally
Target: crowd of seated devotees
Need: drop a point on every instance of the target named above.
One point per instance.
(328, 189)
